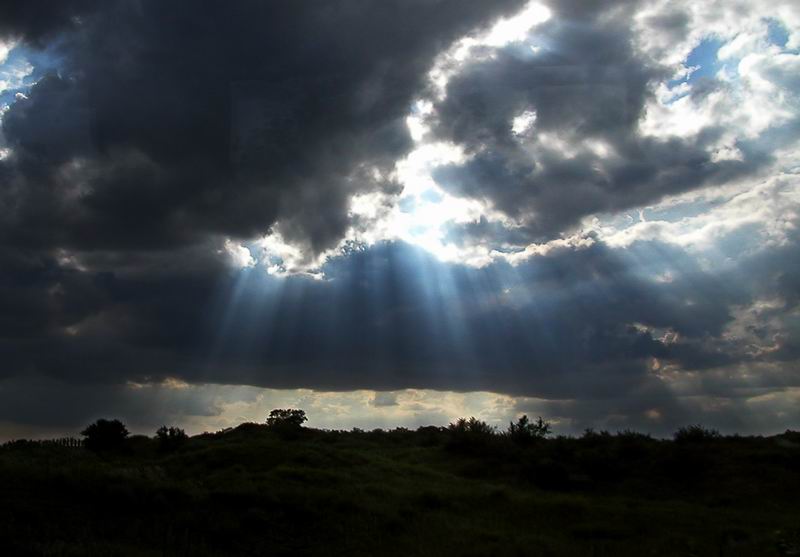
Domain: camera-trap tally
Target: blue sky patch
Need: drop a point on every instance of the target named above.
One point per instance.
(704, 58)
(22, 68)
(777, 33)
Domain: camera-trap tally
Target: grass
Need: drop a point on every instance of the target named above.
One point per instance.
(255, 491)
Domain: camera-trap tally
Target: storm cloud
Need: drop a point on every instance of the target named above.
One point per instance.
(168, 123)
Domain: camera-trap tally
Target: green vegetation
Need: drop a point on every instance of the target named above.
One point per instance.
(465, 490)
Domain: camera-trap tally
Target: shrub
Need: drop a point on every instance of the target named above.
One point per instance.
(590, 434)
(469, 435)
(472, 426)
(695, 434)
(170, 438)
(632, 445)
(105, 435)
(525, 432)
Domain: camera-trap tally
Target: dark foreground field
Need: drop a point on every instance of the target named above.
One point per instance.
(260, 491)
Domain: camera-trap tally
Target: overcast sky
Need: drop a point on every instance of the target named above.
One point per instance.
(399, 212)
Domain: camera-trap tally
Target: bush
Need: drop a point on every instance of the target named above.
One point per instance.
(589, 434)
(472, 426)
(170, 438)
(632, 445)
(525, 432)
(105, 435)
(469, 435)
(695, 434)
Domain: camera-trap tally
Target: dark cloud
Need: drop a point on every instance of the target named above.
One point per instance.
(63, 406)
(180, 121)
(38, 20)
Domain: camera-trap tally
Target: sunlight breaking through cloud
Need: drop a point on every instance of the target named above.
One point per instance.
(750, 97)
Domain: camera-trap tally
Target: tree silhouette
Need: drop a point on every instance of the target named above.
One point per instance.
(170, 438)
(469, 435)
(105, 435)
(526, 432)
(286, 418)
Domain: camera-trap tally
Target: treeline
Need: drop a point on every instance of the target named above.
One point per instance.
(594, 454)
(267, 487)
(465, 434)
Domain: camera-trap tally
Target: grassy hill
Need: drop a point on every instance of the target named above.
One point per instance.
(256, 490)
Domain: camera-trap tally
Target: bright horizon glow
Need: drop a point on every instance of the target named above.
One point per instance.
(226, 406)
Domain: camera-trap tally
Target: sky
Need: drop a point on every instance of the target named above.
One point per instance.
(399, 212)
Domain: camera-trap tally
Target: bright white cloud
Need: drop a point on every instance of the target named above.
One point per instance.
(515, 28)
(239, 254)
(769, 210)
(5, 48)
(470, 48)
(523, 123)
(281, 258)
